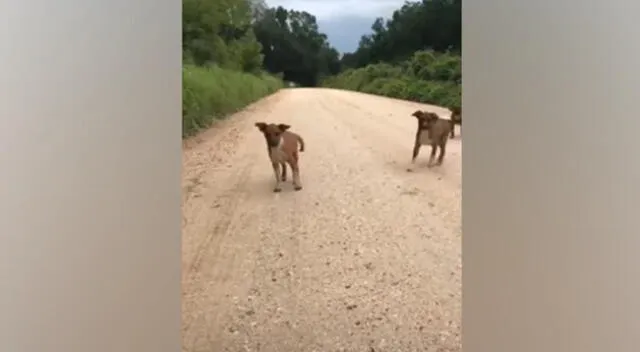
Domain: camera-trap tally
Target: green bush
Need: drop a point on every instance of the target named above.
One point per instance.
(427, 77)
(211, 93)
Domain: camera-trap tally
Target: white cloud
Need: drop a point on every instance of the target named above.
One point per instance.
(330, 9)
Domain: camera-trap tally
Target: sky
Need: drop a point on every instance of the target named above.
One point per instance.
(343, 21)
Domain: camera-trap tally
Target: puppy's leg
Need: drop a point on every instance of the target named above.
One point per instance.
(297, 185)
(276, 172)
(295, 170)
(416, 151)
(284, 172)
(453, 128)
(443, 149)
(432, 156)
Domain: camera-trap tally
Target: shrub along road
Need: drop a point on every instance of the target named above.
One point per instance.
(367, 257)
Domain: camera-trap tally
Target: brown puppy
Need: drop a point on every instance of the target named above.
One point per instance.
(433, 131)
(282, 147)
(456, 119)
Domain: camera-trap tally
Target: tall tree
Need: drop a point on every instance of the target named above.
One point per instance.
(419, 25)
(293, 45)
(219, 31)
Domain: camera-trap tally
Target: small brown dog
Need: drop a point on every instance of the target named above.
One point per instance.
(282, 147)
(456, 119)
(433, 131)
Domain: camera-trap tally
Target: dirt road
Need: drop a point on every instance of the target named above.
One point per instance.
(367, 257)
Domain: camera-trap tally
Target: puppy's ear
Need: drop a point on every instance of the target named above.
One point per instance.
(283, 127)
(261, 126)
(417, 113)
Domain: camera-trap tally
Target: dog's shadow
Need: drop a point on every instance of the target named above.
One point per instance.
(423, 167)
(262, 188)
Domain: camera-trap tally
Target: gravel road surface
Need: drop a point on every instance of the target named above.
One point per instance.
(367, 257)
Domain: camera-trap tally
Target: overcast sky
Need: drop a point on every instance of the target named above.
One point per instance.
(343, 21)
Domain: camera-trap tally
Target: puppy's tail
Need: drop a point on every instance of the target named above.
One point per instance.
(301, 141)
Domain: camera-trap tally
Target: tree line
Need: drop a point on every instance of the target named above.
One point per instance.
(246, 46)
(434, 25)
(414, 55)
(248, 35)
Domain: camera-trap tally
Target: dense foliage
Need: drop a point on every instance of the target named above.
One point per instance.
(210, 93)
(427, 77)
(293, 45)
(219, 32)
(222, 62)
(414, 55)
(238, 51)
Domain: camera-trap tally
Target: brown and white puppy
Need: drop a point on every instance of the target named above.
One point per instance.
(432, 131)
(456, 119)
(282, 146)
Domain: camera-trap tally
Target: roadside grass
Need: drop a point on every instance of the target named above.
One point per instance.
(212, 93)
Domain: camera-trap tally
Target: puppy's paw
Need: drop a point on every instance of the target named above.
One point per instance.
(277, 190)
